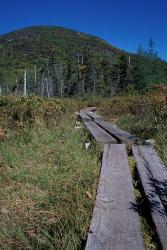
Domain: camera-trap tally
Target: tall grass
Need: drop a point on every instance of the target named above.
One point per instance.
(48, 183)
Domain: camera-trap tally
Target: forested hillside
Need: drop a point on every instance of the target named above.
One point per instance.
(63, 62)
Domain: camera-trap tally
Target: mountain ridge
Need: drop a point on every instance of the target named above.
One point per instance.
(46, 46)
(37, 27)
(70, 62)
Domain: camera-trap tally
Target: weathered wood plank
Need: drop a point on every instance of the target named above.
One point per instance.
(84, 117)
(153, 176)
(121, 135)
(93, 115)
(115, 222)
(100, 135)
(157, 168)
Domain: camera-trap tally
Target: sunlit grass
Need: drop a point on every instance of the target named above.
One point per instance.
(43, 188)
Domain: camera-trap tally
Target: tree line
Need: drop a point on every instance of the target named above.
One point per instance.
(88, 72)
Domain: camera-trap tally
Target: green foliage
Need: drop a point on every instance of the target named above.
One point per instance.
(50, 47)
(148, 68)
(21, 111)
(63, 62)
(143, 115)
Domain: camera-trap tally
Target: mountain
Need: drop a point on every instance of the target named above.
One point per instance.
(53, 50)
(64, 62)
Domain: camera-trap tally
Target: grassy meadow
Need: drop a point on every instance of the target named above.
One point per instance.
(48, 180)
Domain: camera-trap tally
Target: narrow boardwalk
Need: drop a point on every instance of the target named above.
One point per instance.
(121, 135)
(99, 134)
(84, 116)
(115, 221)
(93, 115)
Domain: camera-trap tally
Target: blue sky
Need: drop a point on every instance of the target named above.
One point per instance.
(123, 23)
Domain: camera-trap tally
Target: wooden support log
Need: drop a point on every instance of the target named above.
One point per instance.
(115, 222)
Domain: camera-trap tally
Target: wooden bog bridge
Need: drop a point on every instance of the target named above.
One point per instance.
(115, 223)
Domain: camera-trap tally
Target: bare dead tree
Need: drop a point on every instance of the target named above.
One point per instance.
(42, 88)
(35, 75)
(25, 82)
(47, 87)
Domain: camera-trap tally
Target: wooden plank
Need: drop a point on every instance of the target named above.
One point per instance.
(84, 117)
(100, 135)
(115, 222)
(93, 115)
(121, 135)
(153, 176)
(157, 168)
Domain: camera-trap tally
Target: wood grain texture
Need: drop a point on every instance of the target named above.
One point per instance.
(153, 176)
(115, 222)
(100, 135)
(121, 135)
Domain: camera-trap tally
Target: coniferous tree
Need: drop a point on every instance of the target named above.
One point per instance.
(124, 74)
